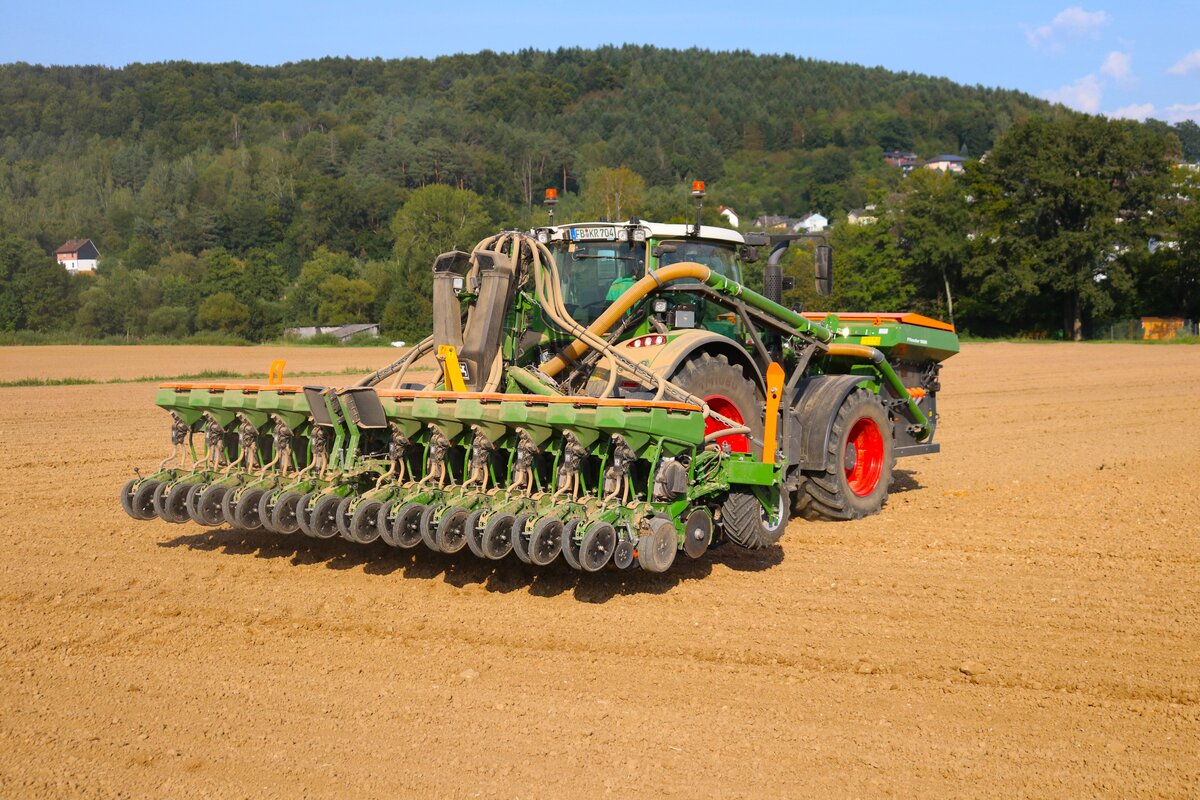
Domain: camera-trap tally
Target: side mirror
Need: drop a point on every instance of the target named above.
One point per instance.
(789, 284)
(659, 250)
(824, 269)
(749, 254)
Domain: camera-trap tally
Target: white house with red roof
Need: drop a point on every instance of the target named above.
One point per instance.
(78, 255)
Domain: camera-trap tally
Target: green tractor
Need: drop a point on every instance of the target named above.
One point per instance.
(607, 393)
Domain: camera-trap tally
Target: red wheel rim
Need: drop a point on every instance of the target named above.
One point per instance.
(738, 442)
(864, 457)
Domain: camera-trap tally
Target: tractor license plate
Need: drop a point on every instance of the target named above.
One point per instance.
(582, 234)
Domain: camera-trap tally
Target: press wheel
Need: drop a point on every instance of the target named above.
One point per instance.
(656, 549)
(452, 530)
(520, 539)
(324, 517)
(570, 547)
(497, 536)
(406, 527)
(597, 546)
(545, 543)
(364, 527)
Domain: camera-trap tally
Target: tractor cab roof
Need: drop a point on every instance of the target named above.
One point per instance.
(638, 231)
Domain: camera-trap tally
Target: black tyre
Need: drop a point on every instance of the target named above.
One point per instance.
(208, 506)
(656, 549)
(451, 533)
(475, 532)
(344, 516)
(229, 507)
(304, 513)
(141, 500)
(170, 501)
(748, 524)
(858, 463)
(597, 546)
(266, 504)
(406, 525)
(570, 547)
(324, 522)
(729, 391)
(364, 525)
(245, 513)
(428, 525)
(545, 542)
(383, 522)
(520, 538)
(192, 499)
(497, 536)
(285, 513)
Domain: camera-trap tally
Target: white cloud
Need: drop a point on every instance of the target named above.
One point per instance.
(1181, 111)
(1138, 111)
(1070, 23)
(1118, 66)
(1186, 64)
(1082, 95)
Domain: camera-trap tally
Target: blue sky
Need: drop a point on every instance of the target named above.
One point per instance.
(1117, 58)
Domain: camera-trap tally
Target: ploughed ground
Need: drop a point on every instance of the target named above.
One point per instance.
(1020, 621)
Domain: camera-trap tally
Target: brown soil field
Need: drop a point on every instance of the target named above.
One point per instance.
(116, 362)
(1021, 620)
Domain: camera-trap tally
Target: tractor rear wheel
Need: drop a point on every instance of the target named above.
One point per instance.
(858, 463)
(729, 392)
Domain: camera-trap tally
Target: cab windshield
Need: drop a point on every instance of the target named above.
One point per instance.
(596, 273)
(721, 259)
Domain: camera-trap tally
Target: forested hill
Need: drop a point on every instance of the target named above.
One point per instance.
(175, 141)
(245, 199)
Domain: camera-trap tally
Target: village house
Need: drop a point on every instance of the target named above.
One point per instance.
(862, 216)
(343, 333)
(946, 163)
(812, 222)
(730, 216)
(78, 255)
(904, 160)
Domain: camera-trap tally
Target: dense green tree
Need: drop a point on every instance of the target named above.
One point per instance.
(871, 269)
(223, 312)
(35, 292)
(613, 194)
(345, 300)
(1061, 203)
(306, 295)
(932, 221)
(198, 179)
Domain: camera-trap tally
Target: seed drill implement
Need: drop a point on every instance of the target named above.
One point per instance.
(607, 394)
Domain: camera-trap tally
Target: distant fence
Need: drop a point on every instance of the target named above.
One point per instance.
(1145, 329)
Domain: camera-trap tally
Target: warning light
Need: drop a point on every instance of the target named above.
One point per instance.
(551, 196)
(697, 188)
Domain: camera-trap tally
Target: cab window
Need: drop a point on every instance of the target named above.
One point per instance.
(721, 259)
(595, 273)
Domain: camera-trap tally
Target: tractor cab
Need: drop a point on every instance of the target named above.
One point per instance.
(598, 261)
